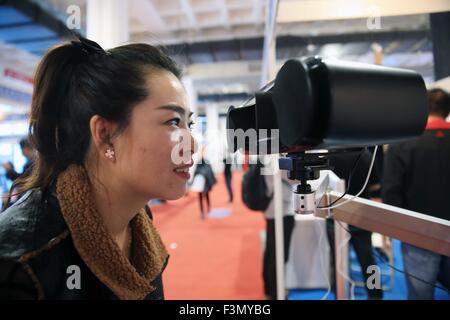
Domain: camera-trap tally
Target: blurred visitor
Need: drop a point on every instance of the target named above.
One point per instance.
(361, 240)
(28, 153)
(204, 180)
(227, 161)
(417, 177)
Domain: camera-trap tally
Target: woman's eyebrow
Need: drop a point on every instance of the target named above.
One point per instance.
(175, 108)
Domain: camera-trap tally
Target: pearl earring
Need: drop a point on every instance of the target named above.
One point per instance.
(109, 153)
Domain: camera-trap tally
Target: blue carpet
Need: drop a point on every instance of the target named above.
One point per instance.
(397, 292)
(219, 213)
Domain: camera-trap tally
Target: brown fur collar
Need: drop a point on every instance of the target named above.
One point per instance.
(98, 249)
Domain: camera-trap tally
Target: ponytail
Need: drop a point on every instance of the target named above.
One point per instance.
(52, 89)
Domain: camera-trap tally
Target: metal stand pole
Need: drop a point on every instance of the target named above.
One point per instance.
(268, 72)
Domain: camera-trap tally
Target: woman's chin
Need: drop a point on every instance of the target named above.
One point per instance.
(175, 194)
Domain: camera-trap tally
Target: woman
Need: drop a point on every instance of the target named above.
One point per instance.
(104, 124)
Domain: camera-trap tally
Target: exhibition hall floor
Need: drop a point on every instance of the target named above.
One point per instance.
(216, 258)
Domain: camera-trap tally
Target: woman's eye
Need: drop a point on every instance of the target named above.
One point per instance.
(177, 122)
(174, 122)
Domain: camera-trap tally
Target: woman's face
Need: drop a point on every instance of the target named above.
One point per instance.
(149, 156)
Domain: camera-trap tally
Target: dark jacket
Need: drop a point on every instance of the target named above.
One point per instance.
(227, 167)
(417, 172)
(36, 249)
(206, 170)
(358, 162)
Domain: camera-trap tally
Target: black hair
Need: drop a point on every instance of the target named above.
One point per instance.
(439, 102)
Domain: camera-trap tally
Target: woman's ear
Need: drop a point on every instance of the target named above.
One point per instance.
(101, 132)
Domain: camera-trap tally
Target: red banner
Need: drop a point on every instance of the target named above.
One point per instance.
(17, 75)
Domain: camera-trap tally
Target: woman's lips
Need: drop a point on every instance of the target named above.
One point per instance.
(183, 172)
(183, 175)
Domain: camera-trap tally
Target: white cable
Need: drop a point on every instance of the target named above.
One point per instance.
(362, 189)
(346, 241)
(338, 264)
(326, 276)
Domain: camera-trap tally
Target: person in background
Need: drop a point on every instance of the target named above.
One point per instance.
(361, 240)
(204, 180)
(417, 177)
(11, 174)
(28, 153)
(228, 175)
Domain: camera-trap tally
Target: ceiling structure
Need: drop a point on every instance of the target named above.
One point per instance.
(171, 22)
(228, 33)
